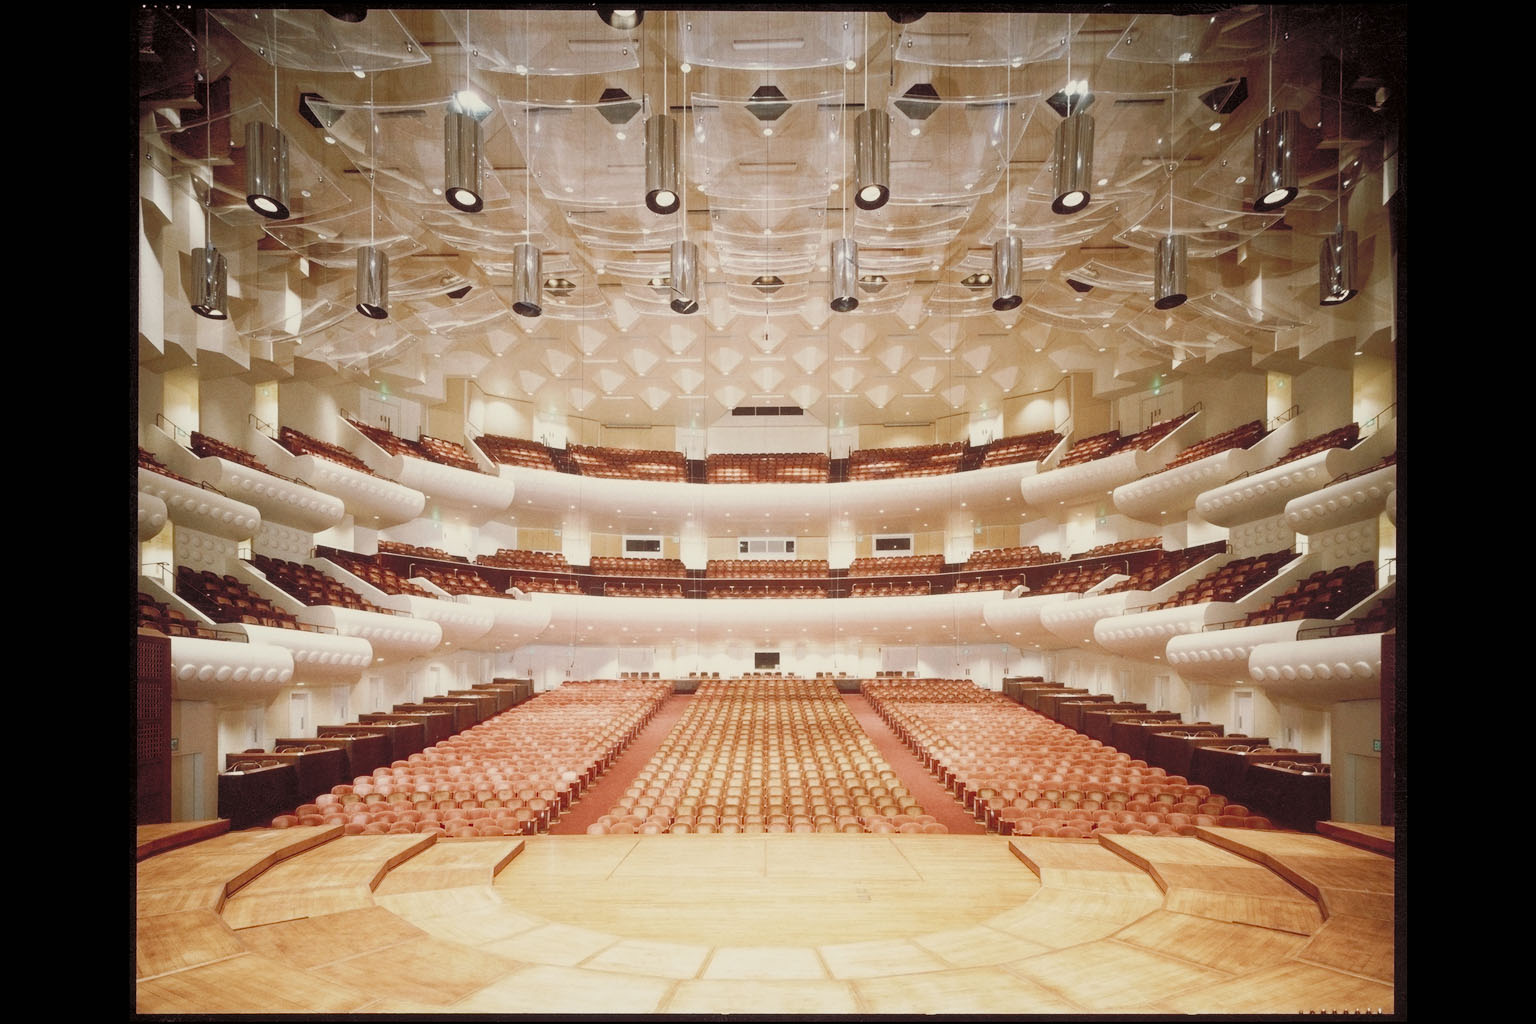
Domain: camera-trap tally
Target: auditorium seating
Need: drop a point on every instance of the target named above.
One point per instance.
(921, 460)
(148, 461)
(1101, 445)
(226, 599)
(972, 584)
(898, 588)
(432, 449)
(643, 590)
(1164, 568)
(459, 581)
(1232, 581)
(1024, 774)
(766, 568)
(764, 755)
(538, 561)
(1123, 547)
(514, 451)
(767, 590)
(1008, 451)
(172, 621)
(787, 468)
(1340, 437)
(512, 774)
(897, 565)
(545, 585)
(1010, 558)
(603, 565)
(205, 447)
(302, 444)
(1075, 579)
(311, 586)
(368, 568)
(628, 464)
(390, 547)
(1380, 618)
(1326, 594)
(1245, 436)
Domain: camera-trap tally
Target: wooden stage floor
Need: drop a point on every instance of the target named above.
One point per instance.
(308, 921)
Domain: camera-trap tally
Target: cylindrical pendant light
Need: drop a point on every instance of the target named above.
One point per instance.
(1274, 160)
(685, 277)
(1074, 164)
(461, 162)
(1172, 283)
(845, 275)
(872, 159)
(373, 282)
(1336, 267)
(210, 284)
(266, 170)
(661, 164)
(1007, 272)
(527, 279)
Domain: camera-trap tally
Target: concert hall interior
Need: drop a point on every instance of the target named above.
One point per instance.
(784, 511)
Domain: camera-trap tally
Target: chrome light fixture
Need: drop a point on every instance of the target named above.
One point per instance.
(621, 20)
(685, 277)
(1274, 160)
(845, 275)
(1171, 276)
(527, 279)
(461, 162)
(210, 284)
(1007, 272)
(373, 282)
(1337, 266)
(872, 159)
(661, 164)
(266, 170)
(1074, 164)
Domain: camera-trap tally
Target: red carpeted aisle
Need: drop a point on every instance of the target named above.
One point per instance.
(925, 789)
(597, 801)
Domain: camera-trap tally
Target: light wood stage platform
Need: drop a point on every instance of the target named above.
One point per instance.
(307, 921)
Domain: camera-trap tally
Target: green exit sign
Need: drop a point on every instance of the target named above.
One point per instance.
(1376, 745)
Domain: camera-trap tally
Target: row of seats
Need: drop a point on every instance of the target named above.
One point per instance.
(1340, 437)
(545, 585)
(643, 590)
(1024, 774)
(921, 460)
(1245, 436)
(627, 463)
(514, 451)
(1008, 451)
(897, 565)
(1326, 594)
(392, 547)
(1121, 547)
(1103, 445)
(763, 756)
(766, 568)
(459, 581)
(513, 558)
(980, 583)
(206, 447)
(1168, 565)
(511, 774)
(1075, 579)
(170, 621)
(789, 468)
(1231, 582)
(311, 586)
(226, 599)
(603, 565)
(769, 590)
(383, 577)
(899, 588)
(1011, 558)
(300, 443)
(432, 449)
(148, 461)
